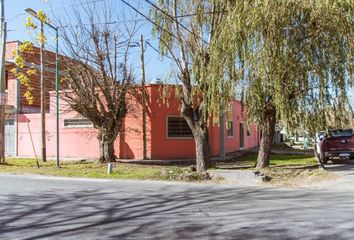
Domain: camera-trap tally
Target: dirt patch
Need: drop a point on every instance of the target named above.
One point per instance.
(296, 177)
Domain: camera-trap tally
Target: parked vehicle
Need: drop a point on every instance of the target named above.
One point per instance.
(317, 140)
(337, 144)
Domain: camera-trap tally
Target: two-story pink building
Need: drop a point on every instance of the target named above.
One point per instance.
(168, 135)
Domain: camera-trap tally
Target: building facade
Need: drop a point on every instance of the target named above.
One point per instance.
(167, 134)
(16, 103)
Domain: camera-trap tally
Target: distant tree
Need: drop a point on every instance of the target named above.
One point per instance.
(297, 58)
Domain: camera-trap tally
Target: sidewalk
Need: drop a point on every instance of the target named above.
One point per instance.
(343, 177)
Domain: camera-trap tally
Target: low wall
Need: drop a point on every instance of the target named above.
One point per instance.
(75, 142)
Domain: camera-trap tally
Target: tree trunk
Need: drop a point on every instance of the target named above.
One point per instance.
(106, 143)
(202, 151)
(201, 138)
(267, 127)
(195, 118)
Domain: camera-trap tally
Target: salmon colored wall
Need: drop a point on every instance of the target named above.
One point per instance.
(161, 146)
(232, 144)
(129, 144)
(74, 142)
(83, 143)
(164, 148)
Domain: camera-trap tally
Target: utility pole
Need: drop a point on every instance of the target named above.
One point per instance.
(44, 151)
(2, 81)
(143, 94)
(44, 157)
(57, 91)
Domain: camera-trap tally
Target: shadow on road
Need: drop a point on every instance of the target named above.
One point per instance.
(341, 166)
(190, 212)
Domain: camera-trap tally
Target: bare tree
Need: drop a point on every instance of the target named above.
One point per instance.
(97, 75)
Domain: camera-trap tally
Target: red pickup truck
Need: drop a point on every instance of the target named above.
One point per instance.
(337, 144)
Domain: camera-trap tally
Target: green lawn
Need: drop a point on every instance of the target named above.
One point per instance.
(89, 169)
(292, 160)
(276, 160)
(295, 148)
(96, 170)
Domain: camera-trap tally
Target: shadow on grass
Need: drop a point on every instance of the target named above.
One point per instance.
(6, 164)
(248, 161)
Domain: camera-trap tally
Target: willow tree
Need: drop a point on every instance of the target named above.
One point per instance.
(297, 58)
(188, 31)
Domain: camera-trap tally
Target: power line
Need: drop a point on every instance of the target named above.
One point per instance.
(145, 19)
(119, 21)
(148, 19)
(174, 19)
(169, 16)
(15, 16)
(156, 50)
(137, 20)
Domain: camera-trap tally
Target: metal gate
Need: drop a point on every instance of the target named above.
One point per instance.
(10, 137)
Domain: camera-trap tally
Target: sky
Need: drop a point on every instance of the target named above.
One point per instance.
(15, 16)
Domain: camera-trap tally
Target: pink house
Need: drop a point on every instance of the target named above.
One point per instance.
(168, 135)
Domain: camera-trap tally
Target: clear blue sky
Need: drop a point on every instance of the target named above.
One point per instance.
(15, 16)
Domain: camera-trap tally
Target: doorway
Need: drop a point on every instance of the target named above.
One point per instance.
(10, 137)
(242, 136)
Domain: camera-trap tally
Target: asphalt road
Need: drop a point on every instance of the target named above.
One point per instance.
(51, 208)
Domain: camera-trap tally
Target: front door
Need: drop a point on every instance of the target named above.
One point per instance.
(10, 137)
(242, 136)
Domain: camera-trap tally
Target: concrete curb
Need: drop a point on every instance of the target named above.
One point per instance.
(243, 177)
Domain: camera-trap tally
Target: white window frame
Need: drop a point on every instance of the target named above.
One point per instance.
(166, 129)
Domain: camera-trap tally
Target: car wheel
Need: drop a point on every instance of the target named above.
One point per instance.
(336, 161)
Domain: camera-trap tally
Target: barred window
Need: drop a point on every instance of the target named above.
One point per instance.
(248, 131)
(177, 127)
(230, 128)
(79, 122)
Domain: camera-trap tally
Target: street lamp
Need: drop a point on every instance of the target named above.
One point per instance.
(34, 14)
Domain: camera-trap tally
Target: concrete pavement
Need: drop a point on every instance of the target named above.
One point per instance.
(58, 208)
(344, 170)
